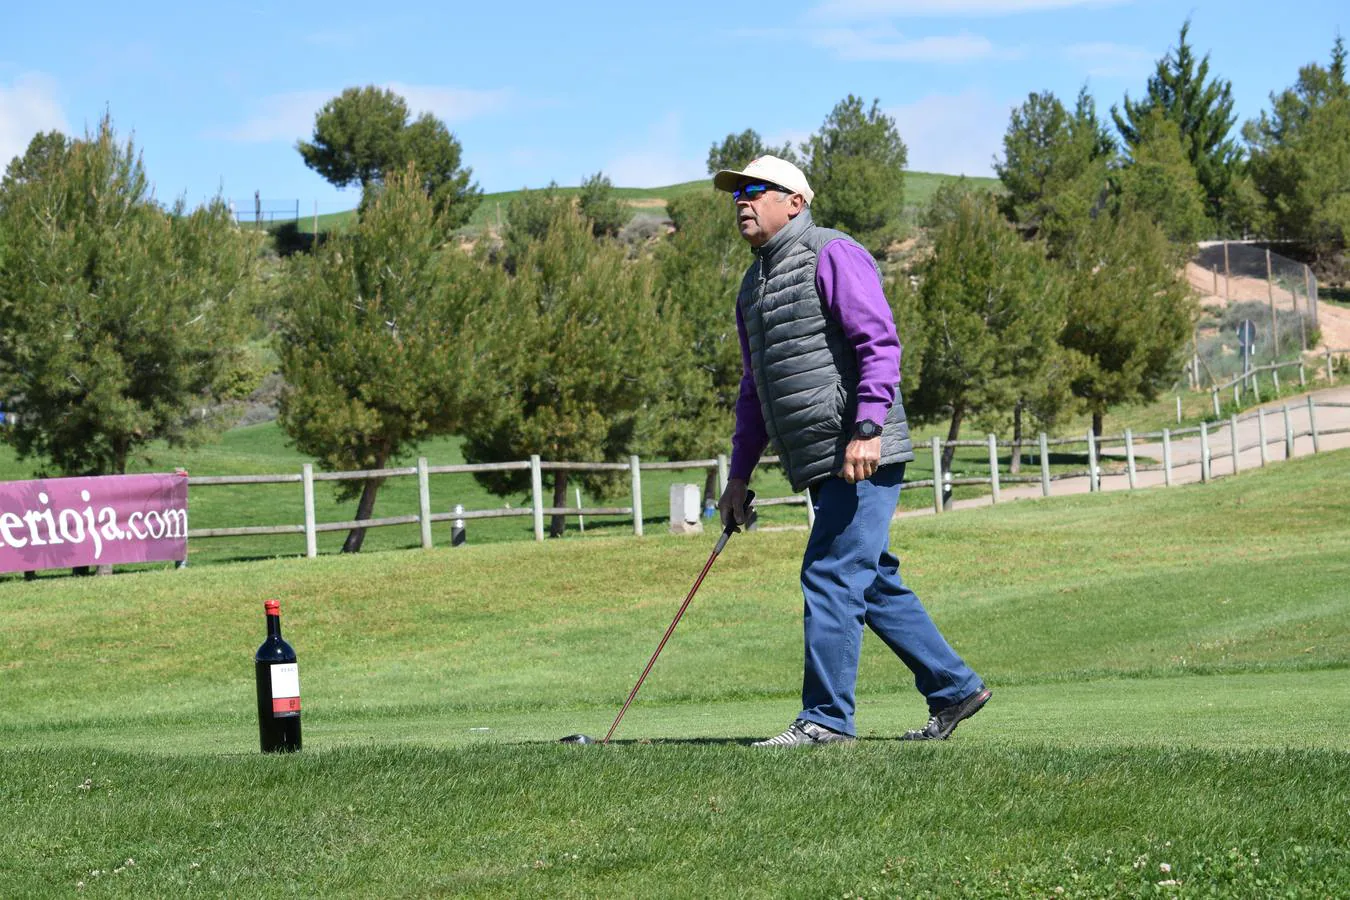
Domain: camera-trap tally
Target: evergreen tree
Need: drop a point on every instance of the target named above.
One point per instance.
(699, 270)
(992, 304)
(1129, 312)
(856, 166)
(1300, 156)
(599, 204)
(1202, 110)
(1055, 167)
(1161, 183)
(736, 150)
(528, 217)
(120, 322)
(575, 361)
(377, 344)
(364, 134)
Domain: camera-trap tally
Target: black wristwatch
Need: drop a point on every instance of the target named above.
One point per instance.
(866, 429)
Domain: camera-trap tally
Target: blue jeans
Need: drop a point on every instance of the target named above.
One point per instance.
(850, 578)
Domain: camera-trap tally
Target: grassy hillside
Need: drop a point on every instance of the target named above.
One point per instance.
(1171, 716)
(919, 188)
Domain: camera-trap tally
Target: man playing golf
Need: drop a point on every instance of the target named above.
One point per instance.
(821, 384)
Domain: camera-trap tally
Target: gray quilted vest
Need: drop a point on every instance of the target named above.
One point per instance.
(805, 369)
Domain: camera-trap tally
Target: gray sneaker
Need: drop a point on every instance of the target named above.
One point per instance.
(943, 722)
(801, 733)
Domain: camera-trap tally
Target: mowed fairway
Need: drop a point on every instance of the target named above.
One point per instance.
(1171, 716)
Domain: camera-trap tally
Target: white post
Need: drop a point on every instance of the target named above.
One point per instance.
(457, 535)
(993, 467)
(637, 494)
(1214, 395)
(1261, 434)
(537, 496)
(1178, 409)
(1094, 483)
(937, 476)
(1275, 379)
(1233, 440)
(1204, 452)
(810, 510)
(1288, 435)
(722, 469)
(1045, 467)
(1167, 458)
(1302, 375)
(1312, 421)
(581, 520)
(1237, 398)
(1129, 456)
(424, 501)
(311, 536)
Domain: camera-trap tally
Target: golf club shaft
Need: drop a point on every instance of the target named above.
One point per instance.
(721, 542)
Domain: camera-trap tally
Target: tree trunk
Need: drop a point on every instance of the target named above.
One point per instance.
(1097, 426)
(710, 487)
(357, 536)
(558, 524)
(1015, 464)
(949, 451)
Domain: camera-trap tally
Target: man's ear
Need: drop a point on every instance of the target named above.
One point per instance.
(796, 203)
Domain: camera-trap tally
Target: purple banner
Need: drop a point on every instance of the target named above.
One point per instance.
(53, 523)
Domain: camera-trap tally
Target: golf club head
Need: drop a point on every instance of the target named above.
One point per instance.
(577, 739)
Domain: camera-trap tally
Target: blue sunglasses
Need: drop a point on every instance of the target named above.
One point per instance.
(755, 191)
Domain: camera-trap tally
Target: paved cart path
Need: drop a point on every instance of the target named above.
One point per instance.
(1185, 453)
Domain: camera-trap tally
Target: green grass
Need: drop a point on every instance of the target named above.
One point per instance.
(1171, 695)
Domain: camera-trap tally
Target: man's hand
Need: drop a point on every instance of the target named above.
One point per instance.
(860, 460)
(732, 504)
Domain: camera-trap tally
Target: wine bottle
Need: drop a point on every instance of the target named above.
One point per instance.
(278, 679)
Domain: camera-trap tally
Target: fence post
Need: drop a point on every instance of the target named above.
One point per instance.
(1093, 483)
(1167, 458)
(1275, 380)
(810, 510)
(937, 475)
(1256, 387)
(1288, 435)
(457, 533)
(635, 468)
(1312, 421)
(1045, 467)
(1215, 395)
(1233, 440)
(1129, 456)
(424, 501)
(1302, 376)
(1237, 398)
(1179, 407)
(993, 467)
(1204, 452)
(1261, 435)
(311, 536)
(537, 496)
(722, 469)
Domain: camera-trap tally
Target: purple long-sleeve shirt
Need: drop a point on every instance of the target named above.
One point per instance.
(846, 279)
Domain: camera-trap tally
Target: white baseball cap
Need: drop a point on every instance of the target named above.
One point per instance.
(766, 168)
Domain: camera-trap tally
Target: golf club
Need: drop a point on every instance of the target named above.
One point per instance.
(727, 532)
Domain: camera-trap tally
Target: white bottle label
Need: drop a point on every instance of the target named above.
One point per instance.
(285, 688)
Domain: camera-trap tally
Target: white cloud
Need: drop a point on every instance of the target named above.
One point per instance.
(955, 134)
(1107, 60)
(290, 116)
(874, 9)
(27, 106)
(885, 43)
(657, 161)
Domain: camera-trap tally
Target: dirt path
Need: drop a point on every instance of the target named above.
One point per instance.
(1186, 453)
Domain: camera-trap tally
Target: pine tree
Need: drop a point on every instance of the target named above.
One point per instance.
(376, 344)
(992, 305)
(1300, 156)
(737, 150)
(120, 322)
(1161, 183)
(574, 366)
(1202, 110)
(1129, 312)
(856, 166)
(1055, 167)
(601, 206)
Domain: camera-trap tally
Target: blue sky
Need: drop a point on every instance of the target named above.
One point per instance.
(217, 95)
